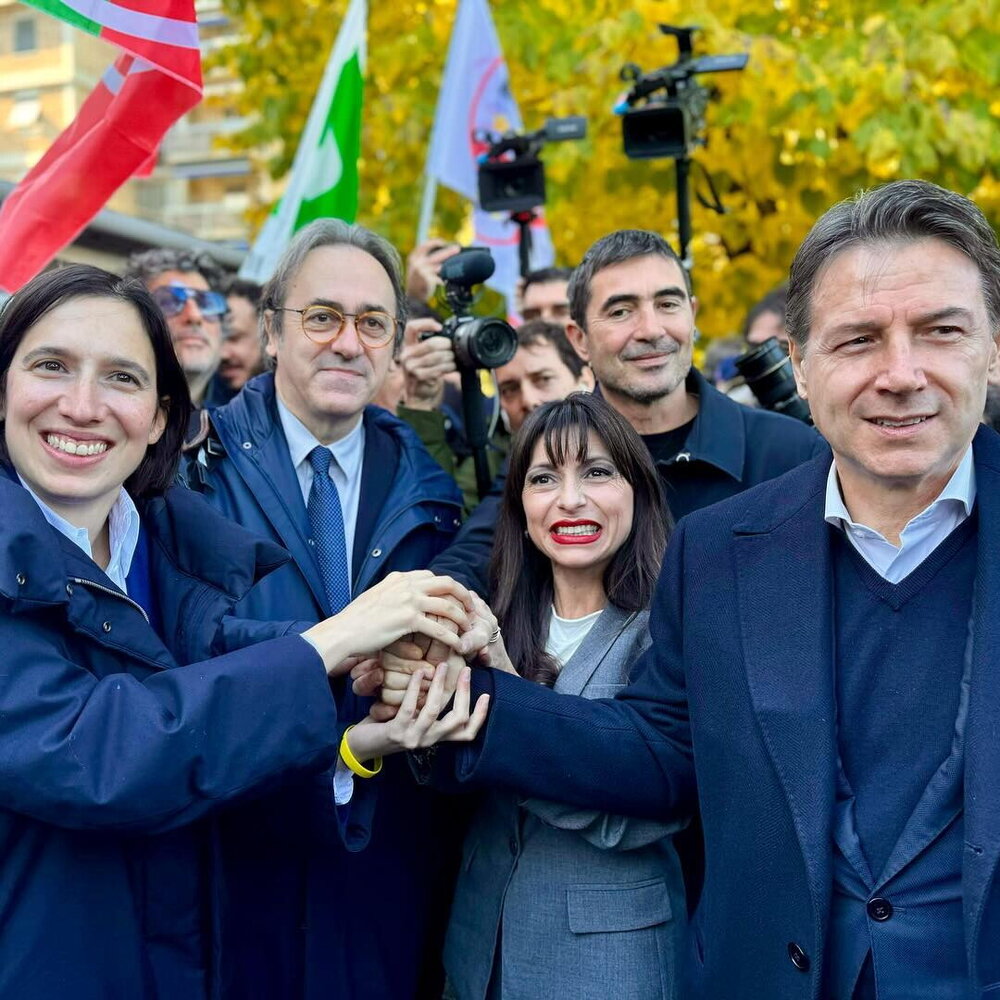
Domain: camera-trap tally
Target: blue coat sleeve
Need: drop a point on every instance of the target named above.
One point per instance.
(467, 559)
(130, 754)
(630, 755)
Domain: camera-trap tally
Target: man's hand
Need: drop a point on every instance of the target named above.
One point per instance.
(425, 364)
(423, 267)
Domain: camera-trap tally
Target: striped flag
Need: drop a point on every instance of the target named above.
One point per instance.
(323, 182)
(115, 134)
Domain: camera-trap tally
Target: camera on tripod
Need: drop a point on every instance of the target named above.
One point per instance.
(671, 121)
(511, 173)
(479, 341)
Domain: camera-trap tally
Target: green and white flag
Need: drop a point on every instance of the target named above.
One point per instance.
(323, 182)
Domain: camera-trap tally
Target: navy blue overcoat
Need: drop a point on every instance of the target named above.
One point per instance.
(112, 755)
(737, 690)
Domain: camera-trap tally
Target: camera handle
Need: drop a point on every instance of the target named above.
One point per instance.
(524, 221)
(476, 431)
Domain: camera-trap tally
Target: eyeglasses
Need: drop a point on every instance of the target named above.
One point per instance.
(324, 324)
(173, 298)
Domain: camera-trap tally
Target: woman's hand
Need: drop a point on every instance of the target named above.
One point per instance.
(413, 729)
(482, 642)
(400, 604)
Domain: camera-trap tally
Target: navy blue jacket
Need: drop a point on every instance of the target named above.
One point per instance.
(112, 754)
(737, 691)
(287, 930)
(728, 449)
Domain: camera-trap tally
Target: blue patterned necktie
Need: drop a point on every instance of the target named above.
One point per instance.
(326, 521)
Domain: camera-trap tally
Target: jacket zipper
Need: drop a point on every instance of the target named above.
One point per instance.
(113, 593)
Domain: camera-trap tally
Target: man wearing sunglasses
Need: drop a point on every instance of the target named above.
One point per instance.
(186, 285)
(297, 916)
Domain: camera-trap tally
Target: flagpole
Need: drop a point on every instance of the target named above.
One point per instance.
(427, 207)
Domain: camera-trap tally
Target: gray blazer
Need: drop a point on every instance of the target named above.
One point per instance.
(558, 902)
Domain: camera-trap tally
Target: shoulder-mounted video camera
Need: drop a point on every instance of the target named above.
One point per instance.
(511, 173)
(663, 115)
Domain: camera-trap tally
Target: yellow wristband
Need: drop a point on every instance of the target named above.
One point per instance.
(353, 763)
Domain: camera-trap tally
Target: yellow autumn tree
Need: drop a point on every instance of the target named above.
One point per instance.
(838, 95)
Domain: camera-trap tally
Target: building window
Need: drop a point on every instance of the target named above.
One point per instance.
(25, 39)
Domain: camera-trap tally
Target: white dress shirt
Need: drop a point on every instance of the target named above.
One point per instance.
(123, 531)
(345, 469)
(922, 534)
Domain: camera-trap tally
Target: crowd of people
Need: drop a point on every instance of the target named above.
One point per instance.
(699, 701)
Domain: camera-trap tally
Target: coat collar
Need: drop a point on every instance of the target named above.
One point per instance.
(586, 661)
(718, 434)
(785, 594)
(178, 523)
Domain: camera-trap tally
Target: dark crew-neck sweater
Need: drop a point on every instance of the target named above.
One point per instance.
(899, 658)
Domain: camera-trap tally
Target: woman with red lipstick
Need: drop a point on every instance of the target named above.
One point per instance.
(554, 901)
(112, 751)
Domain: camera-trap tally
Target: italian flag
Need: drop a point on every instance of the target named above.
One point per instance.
(116, 132)
(323, 182)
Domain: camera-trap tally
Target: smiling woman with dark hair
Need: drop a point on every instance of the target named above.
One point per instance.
(111, 580)
(554, 901)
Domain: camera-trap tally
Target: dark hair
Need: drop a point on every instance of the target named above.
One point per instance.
(44, 293)
(900, 212)
(522, 576)
(776, 302)
(540, 331)
(241, 288)
(332, 233)
(546, 276)
(148, 264)
(615, 248)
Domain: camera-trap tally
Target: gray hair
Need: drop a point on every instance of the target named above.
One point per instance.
(900, 212)
(331, 233)
(615, 248)
(148, 264)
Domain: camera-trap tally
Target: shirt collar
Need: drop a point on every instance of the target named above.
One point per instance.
(123, 533)
(348, 451)
(960, 488)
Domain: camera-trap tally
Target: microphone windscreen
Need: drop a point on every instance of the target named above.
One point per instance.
(470, 266)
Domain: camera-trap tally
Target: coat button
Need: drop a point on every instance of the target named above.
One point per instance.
(799, 958)
(247, 445)
(376, 553)
(879, 909)
(106, 626)
(21, 579)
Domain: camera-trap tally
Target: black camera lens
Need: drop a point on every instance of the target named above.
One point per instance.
(767, 370)
(485, 342)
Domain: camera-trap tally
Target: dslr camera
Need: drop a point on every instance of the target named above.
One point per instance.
(479, 341)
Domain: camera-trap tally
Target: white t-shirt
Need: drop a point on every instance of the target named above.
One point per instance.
(566, 634)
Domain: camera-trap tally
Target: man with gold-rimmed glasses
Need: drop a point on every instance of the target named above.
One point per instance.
(299, 456)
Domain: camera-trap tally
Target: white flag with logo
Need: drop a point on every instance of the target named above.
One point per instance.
(475, 97)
